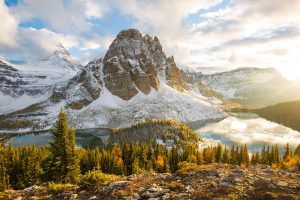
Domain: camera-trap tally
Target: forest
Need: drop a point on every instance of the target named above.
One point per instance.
(62, 162)
(286, 113)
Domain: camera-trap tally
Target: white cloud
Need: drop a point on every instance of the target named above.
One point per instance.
(95, 9)
(38, 43)
(253, 132)
(61, 16)
(245, 33)
(249, 33)
(9, 26)
(164, 19)
(96, 42)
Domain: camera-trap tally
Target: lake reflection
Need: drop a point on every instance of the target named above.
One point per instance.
(237, 129)
(251, 130)
(87, 138)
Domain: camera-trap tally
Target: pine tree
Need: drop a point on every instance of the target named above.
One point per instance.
(4, 177)
(64, 166)
(287, 151)
(276, 156)
(264, 156)
(245, 154)
(225, 157)
(233, 156)
(218, 154)
(73, 167)
(297, 151)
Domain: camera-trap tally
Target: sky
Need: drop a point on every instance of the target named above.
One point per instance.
(199, 33)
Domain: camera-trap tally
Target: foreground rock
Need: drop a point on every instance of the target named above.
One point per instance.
(216, 181)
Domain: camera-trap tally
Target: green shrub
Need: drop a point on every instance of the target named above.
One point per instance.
(56, 188)
(95, 178)
(175, 186)
(185, 167)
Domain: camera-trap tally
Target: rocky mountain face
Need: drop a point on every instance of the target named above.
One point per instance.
(132, 64)
(134, 81)
(14, 83)
(18, 90)
(60, 58)
(82, 89)
(26, 84)
(137, 63)
(251, 86)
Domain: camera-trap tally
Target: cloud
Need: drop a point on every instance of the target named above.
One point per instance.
(96, 41)
(164, 19)
(35, 44)
(248, 33)
(241, 33)
(60, 15)
(43, 41)
(253, 132)
(9, 26)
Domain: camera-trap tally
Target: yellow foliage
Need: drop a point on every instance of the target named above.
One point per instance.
(160, 162)
(175, 186)
(275, 166)
(192, 158)
(243, 165)
(55, 188)
(292, 161)
(96, 178)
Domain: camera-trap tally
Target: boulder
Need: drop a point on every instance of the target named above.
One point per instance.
(119, 184)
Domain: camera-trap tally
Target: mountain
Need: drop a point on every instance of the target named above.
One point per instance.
(26, 84)
(59, 60)
(19, 90)
(134, 81)
(287, 114)
(252, 86)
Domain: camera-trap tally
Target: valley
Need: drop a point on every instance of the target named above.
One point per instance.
(136, 113)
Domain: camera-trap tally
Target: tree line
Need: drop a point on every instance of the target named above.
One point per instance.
(62, 162)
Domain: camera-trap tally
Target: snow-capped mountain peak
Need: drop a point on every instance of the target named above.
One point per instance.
(134, 81)
(61, 58)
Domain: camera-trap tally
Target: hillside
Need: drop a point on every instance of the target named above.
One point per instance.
(287, 114)
(161, 131)
(214, 181)
(22, 85)
(257, 87)
(134, 81)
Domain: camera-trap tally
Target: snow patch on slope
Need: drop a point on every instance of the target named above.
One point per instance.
(166, 103)
(10, 104)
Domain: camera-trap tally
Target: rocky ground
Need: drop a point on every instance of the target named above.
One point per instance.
(216, 181)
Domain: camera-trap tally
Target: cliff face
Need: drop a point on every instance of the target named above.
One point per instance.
(82, 89)
(137, 63)
(132, 64)
(133, 82)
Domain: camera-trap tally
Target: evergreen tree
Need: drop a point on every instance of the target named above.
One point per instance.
(219, 153)
(287, 151)
(73, 167)
(4, 177)
(225, 157)
(63, 164)
(233, 156)
(297, 151)
(276, 156)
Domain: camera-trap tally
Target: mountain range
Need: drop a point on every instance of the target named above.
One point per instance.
(134, 81)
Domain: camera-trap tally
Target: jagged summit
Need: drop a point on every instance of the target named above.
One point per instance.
(132, 64)
(5, 65)
(61, 58)
(139, 64)
(134, 81)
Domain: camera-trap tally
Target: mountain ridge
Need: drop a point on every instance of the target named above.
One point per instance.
(134, 81)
